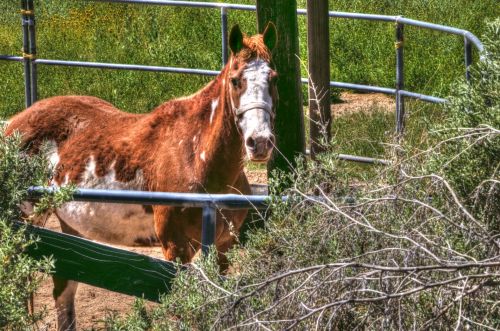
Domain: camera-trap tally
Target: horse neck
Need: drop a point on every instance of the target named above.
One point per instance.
(220, 153)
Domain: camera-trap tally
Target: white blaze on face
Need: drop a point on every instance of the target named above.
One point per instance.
(256, 122)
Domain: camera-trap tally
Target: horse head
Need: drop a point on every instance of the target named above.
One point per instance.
(251, 89)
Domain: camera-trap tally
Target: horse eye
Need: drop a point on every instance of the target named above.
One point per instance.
(235, 82)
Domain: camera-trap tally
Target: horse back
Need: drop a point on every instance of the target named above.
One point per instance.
(79, 130)
(59, 118)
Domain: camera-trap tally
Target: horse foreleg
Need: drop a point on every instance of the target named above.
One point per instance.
(228, 227)
(229, 222)
(171, 233)
(64, 296)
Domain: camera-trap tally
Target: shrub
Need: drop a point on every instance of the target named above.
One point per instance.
(468, 152)
(404, 251)
(19, 274)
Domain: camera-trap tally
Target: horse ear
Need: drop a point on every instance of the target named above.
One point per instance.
(236, 39)
(270, 36)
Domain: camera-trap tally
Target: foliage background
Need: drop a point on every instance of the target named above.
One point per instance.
(361, 51)
(19, 274)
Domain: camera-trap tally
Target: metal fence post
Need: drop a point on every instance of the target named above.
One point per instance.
(223, 20)
(208, 227)
(25, 13)
(32, 52)
(467, 57)
(400, 105)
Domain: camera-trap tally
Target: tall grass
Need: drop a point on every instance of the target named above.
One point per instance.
(362, 52)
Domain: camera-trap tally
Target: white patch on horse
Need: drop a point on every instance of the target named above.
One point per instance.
(66, 180)
(181, 141)
(256, 74)
(115, 223)
(215, 103)
(27, 207)
(202, 156)
(256, 121)
(52, 153)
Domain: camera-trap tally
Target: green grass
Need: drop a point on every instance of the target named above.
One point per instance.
(363, 132)
(362, 52)
(370, 132)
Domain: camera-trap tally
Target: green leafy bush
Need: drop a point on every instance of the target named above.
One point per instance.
(468, 152)
(20, 275)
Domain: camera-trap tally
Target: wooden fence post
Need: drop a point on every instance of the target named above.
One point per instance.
(318, 42)
(289, 125)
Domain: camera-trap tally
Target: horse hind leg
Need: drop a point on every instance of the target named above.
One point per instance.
(64, 296)
(64, 292)
(28, 214)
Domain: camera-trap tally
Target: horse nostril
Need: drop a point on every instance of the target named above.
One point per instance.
(250, 142)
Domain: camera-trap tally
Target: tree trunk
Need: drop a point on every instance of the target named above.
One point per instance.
(318, 42)
(289, 125)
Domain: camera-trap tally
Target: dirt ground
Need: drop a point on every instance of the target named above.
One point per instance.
(92, 304)
(353, 102)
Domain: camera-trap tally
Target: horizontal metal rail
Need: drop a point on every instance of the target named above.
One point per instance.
(385, 90)
(117, 66)
(195, 4)
(101, 65)
(209, 203)
(193, 200)
(363, 159)
(360, 159)
(334, 14)
(11, 58)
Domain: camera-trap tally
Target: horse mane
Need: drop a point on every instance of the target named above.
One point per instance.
(254, 47)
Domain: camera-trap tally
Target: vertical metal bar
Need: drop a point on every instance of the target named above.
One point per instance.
(467, 57)
(400, 105)
(32, 51)
(223, 20)
(208, 227)
(27, 61)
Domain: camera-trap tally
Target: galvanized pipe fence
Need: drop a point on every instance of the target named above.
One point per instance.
(211, 202)
(30, 61)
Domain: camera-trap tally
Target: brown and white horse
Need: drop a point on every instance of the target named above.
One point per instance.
(191, 144)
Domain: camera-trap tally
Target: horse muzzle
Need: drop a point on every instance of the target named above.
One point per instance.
(260, 147)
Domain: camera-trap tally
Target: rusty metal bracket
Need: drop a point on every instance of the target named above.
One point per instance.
(26, 12)
(29, 56)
